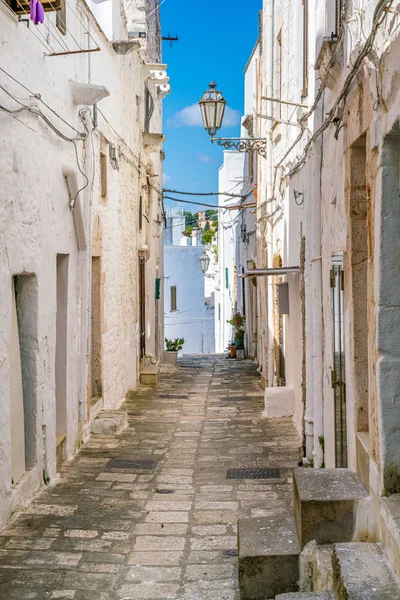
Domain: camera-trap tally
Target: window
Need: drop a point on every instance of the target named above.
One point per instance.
(22, 7)
(339, 4)
(148, 108)
(61, 19)
(219, 311)
(103, 176)
(304, 91)
(173, 298)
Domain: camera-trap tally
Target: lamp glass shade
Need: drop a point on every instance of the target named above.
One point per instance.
(204, 262)
(212, 108)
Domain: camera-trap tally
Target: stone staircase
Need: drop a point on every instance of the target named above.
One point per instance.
(315, 555)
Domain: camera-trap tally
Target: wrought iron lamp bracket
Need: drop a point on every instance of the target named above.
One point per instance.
(258, 145)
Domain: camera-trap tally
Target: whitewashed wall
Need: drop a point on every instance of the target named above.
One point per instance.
(36, 224)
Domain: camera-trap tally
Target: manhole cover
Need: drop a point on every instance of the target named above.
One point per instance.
(231, 552)
(253, 473)
(120, 463)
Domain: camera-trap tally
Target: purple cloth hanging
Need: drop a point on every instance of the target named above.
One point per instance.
(37, 12)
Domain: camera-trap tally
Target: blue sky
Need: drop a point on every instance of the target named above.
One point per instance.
(216, 38)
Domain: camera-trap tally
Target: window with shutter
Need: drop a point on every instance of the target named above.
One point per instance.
(173, 298)
(304, 91)
(339, 5)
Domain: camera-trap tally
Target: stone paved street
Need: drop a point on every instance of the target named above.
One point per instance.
(113, 534)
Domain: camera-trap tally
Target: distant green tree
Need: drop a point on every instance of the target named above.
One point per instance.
(191, 220)
(207, 226)
(207, 237)
(211, 213)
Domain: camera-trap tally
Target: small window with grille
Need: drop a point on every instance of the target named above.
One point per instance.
(339, 6)
(173, 298)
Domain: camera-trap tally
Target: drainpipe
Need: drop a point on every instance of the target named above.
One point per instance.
(269, 38)
(81, 212)
(316, 269)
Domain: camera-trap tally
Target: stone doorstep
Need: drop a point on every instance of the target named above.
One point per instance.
(390, 521)
(324, 501)
(361, 572)
(109, 422)
(306, 596)
(268, 551)
(150, 375)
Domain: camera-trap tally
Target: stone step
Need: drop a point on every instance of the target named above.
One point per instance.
(109, 422)
(307, 596)
(150, 375)
(316, 572)
(268, 550)
(324, 504)
(390, 521)
(361, 572)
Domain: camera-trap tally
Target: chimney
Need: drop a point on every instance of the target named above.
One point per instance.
(196, 237)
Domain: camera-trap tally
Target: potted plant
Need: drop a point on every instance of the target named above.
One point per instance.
(239, 337)
(172, 348)
(237, 322)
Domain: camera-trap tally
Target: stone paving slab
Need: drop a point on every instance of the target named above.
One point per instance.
(171, 533)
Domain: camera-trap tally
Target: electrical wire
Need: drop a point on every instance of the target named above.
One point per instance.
(382, 7)
(204, 193)
(190, 202)
(38, 97)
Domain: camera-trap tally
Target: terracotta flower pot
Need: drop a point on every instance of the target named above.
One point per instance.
(233, 350)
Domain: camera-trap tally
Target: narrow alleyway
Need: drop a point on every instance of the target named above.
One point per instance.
(169, 532)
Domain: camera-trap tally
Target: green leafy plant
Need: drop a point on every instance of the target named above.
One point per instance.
(237, 320)
(174, 345)
(239, 333)
(321, 440)
(46, 478)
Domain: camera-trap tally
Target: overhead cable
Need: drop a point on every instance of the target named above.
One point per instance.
(204, 193)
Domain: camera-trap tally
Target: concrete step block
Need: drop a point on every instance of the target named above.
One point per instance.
(307, 596)
(362, 572)
(278, 402)
(150, 375)
(324, 504)
(109, 422)
(390, 521)
(316, 571)
(268, 557)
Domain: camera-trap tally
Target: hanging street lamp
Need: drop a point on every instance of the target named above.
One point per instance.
(204, 262)
(212, 108)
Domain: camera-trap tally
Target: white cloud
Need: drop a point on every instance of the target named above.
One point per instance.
(205, 158)
(166, 178)
(191, 117)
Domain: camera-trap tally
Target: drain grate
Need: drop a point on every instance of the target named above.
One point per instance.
(121, 463)
(253, 473)
(164, 491)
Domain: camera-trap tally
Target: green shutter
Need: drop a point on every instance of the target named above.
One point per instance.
(158, 288)
(227, 278)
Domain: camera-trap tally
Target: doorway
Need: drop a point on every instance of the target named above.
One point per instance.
(61, 344)
(142, 306)
(338, 371)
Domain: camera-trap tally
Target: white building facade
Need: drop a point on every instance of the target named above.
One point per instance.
(188, 313)
(81, 162)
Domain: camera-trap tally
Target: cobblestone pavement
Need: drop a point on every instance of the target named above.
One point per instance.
(167, 533)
